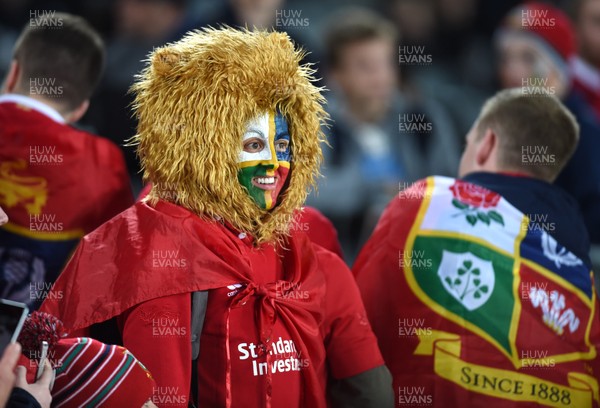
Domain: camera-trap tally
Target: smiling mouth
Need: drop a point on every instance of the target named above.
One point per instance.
(265, 183)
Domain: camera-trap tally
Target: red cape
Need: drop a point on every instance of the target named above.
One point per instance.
(113, 269)
(319, 228)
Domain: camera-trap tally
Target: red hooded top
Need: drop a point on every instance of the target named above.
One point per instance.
(301, 303)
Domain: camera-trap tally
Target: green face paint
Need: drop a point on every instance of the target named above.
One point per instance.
(265, 158)
(245, 176)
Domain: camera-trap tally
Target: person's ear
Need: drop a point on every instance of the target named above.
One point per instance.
(12, 78)
(486, 148)
(78, 112)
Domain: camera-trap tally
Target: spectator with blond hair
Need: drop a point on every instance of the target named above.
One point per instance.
(476, 286)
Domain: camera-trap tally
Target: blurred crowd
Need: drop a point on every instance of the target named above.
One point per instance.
(404, 82)
(404, 79)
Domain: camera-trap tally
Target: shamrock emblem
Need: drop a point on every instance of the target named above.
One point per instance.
(471, 283)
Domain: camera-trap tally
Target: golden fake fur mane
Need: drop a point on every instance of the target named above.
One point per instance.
(193, 102)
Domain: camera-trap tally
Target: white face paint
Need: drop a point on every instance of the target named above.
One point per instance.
(257, 128)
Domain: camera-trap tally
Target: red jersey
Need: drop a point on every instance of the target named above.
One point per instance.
(57, 183)
(277, 322)
(319, 229)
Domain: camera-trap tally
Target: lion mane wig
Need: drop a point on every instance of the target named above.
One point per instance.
(193, 102)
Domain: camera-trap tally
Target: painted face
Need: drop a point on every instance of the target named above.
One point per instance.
(265, 158)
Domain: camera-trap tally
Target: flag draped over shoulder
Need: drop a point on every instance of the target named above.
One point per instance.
(57, 183)
(472, 300)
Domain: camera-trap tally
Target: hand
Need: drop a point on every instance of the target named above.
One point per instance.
(40, 389)
(7, 371)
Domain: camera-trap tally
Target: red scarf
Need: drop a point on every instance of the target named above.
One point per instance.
(112, 271)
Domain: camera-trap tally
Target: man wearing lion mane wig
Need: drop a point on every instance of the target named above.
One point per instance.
(206, 281)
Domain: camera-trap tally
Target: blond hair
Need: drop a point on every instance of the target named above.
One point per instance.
(522, 122)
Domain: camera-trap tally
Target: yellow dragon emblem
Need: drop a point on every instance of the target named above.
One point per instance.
(27, 191)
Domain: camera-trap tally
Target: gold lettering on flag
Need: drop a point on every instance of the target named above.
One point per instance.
(499, 383)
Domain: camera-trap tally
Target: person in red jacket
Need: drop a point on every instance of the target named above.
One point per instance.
(206, 280)
(319, 229)
(480, 289)
(57, 182)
